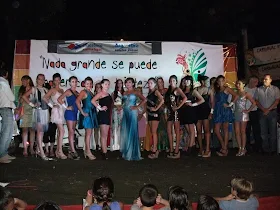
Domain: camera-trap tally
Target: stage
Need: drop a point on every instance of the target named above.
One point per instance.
(66, 181)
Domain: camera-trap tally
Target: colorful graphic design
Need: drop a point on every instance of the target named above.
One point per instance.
(194, 64)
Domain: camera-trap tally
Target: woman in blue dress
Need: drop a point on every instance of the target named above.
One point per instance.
(88, 115)
(130, 145)
(223, 114)
(71, 114)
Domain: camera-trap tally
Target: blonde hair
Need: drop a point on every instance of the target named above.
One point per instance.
(243, 187)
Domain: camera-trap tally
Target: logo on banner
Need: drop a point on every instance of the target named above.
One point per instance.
(124, 47)
(77, 47)
(193, 64)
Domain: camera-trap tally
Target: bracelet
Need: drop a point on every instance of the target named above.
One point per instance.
(212, 111)
(98, 107)
(194, 104)
(230, 104)
(50, 105)
(64, 106)
(31, 104)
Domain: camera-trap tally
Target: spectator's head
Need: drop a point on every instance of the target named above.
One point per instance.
(241, 188)
(267, 80)
(6, 199)
(4, 73)
(253, 81)
(148, 195)
(103, 190)
(47, 205)
(206, 202)
(178, 198)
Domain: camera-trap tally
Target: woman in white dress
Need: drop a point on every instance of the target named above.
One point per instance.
(117, 114)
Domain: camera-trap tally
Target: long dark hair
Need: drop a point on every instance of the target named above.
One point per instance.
(130, 79)
(22, 88)
(154, 80)
(103, 191)
(217, 88)
(167, 95)
(116, 89)
(188, 78)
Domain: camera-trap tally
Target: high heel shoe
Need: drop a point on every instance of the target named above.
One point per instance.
(25, 154)
(60, 155)
(176, 155)
(154, 155)
(43, 157)
(170, 155)
(207, 154)
(73, 155)
(222, 153)
(89, 156)
(32, 152)
(104, 156)
(243, 152)
(239, 151)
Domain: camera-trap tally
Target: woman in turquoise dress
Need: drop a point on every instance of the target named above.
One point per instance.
(130, 145)
(223, 114)
(88, 115)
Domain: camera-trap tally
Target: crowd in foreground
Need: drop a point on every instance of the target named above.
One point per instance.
(101, 197)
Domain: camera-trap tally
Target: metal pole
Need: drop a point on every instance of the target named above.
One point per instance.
(245, 49)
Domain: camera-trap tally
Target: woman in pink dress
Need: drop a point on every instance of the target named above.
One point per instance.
(57, 114)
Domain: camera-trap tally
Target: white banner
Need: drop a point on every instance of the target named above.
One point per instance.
(267, 54)
(177, 58)
(104, 47)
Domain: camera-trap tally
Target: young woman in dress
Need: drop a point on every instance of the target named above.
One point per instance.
(241, 116)
(104, 105)
(97, 134)
(41, 112)
(163, 143)
(222, 112)
(71, 114)
(26, 119)
(204, 113)
(130, 145)
(117, 114)
(188, 115)
(49, 137)
(89, 115)
(57, 114)
(171, 114)
(154, 102)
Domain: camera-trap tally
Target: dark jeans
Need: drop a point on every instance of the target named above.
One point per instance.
(268, 125)
(6, 130)
(254, 125)
(49, 136)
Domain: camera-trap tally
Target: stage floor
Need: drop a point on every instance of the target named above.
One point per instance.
(66, 181)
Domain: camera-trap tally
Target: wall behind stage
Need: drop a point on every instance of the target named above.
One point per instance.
(31, 60)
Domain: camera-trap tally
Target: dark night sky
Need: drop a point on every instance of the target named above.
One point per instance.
(198, 21)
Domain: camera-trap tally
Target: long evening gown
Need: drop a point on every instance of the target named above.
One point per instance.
(130, 145)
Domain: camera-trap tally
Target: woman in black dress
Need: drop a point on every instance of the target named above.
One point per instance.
(204, 114)
(104, 120)
(172, 115)
(188, 115)
(154, 102)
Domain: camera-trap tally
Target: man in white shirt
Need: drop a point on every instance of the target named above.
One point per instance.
(7, 105)
(267, 98)
(253, 123)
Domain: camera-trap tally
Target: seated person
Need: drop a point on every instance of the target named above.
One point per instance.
(9, 202)
(101, 196)
(241, 197)
(206, 202)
